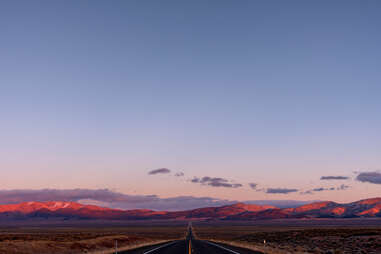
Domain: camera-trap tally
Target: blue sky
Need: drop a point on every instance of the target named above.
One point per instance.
(94, 94)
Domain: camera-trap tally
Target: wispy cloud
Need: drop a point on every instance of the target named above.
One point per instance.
(253, 186)
(215, 182)
(369, 177)
(306, 192)
(179, 174)
(159, 171)
(108, 198)
(280, 190)
(104, 195)
(341, 187)
(334, 178)
(323, 189)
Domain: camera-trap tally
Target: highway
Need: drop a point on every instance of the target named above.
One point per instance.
(190, 245)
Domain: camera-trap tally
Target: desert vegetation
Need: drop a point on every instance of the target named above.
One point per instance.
(84, 239)
(303, 237)
(337, 236)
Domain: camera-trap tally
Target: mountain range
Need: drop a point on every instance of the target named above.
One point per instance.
(238, 211)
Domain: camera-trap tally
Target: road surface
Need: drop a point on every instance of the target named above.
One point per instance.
(190, 245)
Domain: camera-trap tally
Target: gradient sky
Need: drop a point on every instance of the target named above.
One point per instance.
(94, 94)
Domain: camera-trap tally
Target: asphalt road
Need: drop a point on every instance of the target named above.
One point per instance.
(190, 245)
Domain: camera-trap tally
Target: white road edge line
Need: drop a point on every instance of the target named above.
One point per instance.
(219, 246)
(161, 246)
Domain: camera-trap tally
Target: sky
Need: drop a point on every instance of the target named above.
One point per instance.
(229, 100)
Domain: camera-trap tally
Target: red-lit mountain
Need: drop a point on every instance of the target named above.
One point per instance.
(239, 211)
(327, 209)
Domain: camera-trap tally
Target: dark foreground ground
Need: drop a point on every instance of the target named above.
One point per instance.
(72, 237)
(298, 236)
(282, 236)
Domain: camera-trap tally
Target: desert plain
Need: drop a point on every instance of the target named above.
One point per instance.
(268, 236)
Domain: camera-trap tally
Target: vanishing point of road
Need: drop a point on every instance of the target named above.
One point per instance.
(190, 245)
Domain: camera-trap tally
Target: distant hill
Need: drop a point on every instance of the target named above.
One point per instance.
(327, 209)
(239, 211)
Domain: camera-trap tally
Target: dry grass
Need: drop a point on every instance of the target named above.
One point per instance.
(291, 236)
(94, 240)
(129, 247)
(281, 239)
(255, 247)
